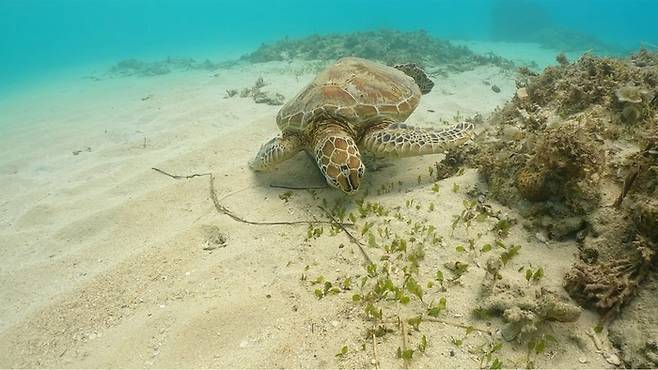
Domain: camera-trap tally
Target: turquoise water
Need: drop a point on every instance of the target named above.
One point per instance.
(40, 38)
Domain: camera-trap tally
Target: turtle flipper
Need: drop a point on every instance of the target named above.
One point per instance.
(400, 140)
(276, 151)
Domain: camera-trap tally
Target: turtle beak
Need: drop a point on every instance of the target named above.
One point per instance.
(349, 179)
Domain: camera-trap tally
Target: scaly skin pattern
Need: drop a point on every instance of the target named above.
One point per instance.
(275, 151)
(338, 158)
(400, 140)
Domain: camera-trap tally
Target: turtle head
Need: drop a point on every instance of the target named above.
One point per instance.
(339, 159)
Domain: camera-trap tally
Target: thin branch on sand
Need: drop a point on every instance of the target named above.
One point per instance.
(179, 177)
(403, 330)
(277, 186)
(374, 350)
(446, 322)
(628, 184)
(222, 209)
(458, 325)
(349, 234)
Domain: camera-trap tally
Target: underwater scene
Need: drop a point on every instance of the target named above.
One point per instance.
(328, 184)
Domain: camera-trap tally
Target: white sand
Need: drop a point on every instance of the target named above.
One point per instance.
(102, 261)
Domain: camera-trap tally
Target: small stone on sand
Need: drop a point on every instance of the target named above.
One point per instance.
(522, 93)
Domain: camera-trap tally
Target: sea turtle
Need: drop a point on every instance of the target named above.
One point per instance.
(355, 104)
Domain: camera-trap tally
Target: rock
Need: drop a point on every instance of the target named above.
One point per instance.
(541, 237)
(214, 238)
(565, 227)
(268, 98)
(522, 93)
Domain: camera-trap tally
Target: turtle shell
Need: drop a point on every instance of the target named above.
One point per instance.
(355, 92)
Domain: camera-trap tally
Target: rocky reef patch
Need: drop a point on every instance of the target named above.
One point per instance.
(387, 46)
(576, 152)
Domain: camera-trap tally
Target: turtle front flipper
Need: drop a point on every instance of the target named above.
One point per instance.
(276, 151)
(400, 140)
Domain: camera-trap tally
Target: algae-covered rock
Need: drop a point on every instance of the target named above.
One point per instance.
(629, 94)
(553, 149)
(614, 84)
(563, 168)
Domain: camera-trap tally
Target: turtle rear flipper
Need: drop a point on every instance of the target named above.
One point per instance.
(276, 151)
(414, 71)
(400, 140)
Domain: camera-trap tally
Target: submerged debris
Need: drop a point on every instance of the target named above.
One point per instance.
(259, 96)
(268, 98)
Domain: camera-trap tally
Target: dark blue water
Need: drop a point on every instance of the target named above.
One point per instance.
(38, 38)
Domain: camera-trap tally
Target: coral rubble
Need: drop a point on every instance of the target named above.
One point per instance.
(610, 284)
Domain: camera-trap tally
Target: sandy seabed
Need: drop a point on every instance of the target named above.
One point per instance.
(107, 263)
